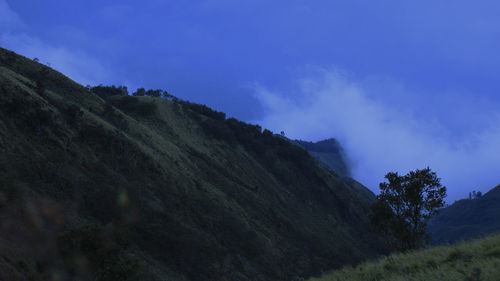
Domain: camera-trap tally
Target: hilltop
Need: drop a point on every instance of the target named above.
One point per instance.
(115, 187)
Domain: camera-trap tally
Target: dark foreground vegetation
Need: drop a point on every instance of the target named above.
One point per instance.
(96, 184)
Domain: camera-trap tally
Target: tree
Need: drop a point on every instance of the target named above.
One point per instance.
(167, 95)
(108, 91)
(475, 195)
(153, 93)
(405, 205)
(141, 92)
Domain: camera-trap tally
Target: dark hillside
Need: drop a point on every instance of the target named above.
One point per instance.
(141, 188)
(468, 218)
(329, 153)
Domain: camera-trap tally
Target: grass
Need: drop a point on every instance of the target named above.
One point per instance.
(469, 261)
(210, 198)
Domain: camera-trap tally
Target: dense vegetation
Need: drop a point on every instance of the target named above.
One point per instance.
(404, 206)
(468, 218)
(475, 260)
(99, 185)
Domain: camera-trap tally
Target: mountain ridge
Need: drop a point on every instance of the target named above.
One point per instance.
(187, 193)
(331, 155)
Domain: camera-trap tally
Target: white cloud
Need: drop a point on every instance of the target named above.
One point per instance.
(75, 64)
(382, 136)
(9, 20)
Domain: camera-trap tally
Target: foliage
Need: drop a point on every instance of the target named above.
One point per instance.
(134, 105)
(475, 260)
(141, 92)
(405, 205)
(475, 195)
(102, 250)
(108, 91)
(204, 110)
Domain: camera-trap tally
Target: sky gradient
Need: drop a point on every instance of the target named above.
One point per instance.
(401, 85)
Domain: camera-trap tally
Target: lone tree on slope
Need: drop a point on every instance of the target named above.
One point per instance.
(405, 205)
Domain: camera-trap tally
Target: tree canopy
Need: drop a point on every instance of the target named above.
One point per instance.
(405, 205)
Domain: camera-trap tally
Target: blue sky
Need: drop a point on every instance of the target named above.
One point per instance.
(401, 84)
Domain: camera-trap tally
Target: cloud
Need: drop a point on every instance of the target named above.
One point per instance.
(9, 20)
(389, 133)
(76, 64)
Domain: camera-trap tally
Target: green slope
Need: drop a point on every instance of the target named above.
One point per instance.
(467, 219)
(139, 188)
(476, 260)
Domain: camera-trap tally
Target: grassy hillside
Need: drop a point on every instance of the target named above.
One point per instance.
(140, 188)
(476, 260)
(467, 219)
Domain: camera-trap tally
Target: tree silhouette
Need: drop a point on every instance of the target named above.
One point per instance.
(405, 205)
(141, 92)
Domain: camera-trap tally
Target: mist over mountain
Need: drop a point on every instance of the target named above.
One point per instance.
(396, 91)
(385, 128)
(249, 140)
(329, 153)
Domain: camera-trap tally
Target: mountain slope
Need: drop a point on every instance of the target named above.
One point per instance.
(475, 260)
(128, 188)
(466, 219)
(329, 153)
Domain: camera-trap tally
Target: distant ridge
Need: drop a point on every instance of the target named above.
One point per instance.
(329, 153)
(467, 219)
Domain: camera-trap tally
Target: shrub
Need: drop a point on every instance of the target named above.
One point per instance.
(108, 91)
(204, 110)
(103, 250)
(134, 105)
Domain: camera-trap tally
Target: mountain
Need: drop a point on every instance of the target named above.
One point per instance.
(99, 185)
(474, 260)
(467, 218)
(329, 153)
